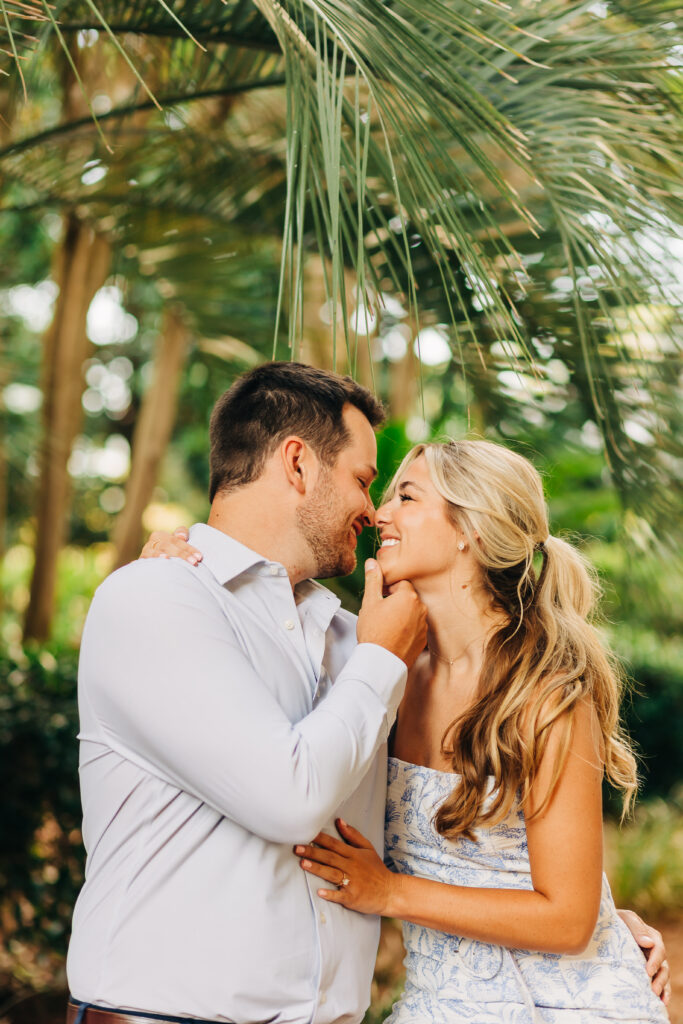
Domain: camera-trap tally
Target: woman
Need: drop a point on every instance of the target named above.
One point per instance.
(510, 719)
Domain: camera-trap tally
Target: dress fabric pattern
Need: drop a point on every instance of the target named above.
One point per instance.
(451, 979)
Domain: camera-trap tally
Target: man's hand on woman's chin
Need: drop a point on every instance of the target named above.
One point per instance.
(654, 951)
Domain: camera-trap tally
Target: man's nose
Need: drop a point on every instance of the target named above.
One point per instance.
(369, 513)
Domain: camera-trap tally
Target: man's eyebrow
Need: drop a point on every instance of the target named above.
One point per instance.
(371, 471)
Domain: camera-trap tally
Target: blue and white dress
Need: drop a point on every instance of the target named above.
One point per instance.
(452, 980)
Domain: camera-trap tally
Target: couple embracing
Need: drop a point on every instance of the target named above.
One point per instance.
(243, 832)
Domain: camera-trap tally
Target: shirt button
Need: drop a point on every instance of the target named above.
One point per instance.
(274, 571)
(323, 998)
(323, 919)
(289, 624)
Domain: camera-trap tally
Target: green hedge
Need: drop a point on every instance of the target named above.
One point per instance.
(41, 856)
(653, 710)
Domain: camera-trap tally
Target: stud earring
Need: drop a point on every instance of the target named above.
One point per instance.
(461, 545)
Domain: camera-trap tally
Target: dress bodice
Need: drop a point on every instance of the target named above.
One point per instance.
(480, 981)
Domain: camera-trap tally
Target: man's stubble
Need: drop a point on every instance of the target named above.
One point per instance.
(325, 526)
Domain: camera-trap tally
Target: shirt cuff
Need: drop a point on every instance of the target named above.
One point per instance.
(383, 672)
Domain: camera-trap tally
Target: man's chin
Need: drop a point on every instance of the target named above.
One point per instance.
(342, 567)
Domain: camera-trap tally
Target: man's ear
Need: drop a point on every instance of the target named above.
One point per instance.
(299, 463)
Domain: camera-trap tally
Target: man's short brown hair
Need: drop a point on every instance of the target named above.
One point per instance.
(271, 401)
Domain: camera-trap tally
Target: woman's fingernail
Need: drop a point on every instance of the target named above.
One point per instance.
(305, 864)
(298, 849)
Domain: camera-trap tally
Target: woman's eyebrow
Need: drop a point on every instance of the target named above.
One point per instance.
(410, 483)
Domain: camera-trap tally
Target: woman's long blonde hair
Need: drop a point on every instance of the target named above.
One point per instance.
(546, 656)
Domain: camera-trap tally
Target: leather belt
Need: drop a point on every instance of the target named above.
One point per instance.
(86, 1014)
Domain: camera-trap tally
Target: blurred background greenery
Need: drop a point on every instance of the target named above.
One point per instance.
(530, 292)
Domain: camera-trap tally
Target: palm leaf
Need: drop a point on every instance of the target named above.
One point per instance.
(416, 134)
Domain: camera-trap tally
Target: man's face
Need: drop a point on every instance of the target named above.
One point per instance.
(332, 518)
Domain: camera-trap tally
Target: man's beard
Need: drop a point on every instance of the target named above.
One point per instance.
(319, 520)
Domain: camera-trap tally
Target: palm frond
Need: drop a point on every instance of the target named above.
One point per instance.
(415, 135)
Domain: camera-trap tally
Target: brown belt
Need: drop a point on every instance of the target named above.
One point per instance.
(100, 1015)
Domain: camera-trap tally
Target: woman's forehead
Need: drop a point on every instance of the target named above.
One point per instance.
(417, 468)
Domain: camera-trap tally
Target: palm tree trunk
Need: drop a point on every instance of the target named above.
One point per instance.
(403, 385)
(152, 434)
(83, 261)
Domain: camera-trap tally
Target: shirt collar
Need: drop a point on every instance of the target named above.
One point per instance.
(224, 556)
(227, 558)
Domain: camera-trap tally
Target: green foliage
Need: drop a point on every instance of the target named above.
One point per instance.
(654, 710)
(516, 169)
(378, 1013)
(41, 861)
(645, 858)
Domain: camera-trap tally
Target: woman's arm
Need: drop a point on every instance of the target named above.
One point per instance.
(565, 852)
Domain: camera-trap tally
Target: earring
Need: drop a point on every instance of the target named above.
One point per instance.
(461, 545)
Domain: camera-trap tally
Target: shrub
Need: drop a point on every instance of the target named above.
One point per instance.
(41, 857)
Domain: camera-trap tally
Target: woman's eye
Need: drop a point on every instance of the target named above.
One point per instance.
(404, 497)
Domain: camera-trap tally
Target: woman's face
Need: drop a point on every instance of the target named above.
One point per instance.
(418, 542)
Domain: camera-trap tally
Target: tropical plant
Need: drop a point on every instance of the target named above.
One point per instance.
(447, 147)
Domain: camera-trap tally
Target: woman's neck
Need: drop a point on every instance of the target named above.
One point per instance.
(460, 620)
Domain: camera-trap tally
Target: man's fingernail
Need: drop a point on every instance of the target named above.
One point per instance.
(370, 565)
(298, 849)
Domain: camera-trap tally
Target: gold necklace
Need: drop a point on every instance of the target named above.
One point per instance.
(452, 661)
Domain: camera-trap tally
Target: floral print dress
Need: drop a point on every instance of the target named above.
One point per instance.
(453, 980)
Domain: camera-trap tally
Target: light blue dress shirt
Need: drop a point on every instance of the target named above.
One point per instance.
(223, 719)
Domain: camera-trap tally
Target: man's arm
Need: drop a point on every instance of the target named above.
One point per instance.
(172, 691)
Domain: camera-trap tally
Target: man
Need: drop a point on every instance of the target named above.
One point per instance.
(230, 711)
(227, 713)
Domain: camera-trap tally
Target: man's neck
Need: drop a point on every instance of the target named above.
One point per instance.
(254, 516)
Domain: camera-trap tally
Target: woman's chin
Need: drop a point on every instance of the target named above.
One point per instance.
(390, 573)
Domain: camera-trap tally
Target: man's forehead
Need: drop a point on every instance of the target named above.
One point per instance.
(362, 438)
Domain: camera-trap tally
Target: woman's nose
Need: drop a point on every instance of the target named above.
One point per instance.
(382, 515)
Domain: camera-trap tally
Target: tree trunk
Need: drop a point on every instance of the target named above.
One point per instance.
(83, 261)
(403, 385)
(152, 434)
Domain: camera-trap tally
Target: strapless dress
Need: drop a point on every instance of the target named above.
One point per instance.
(451, 980)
